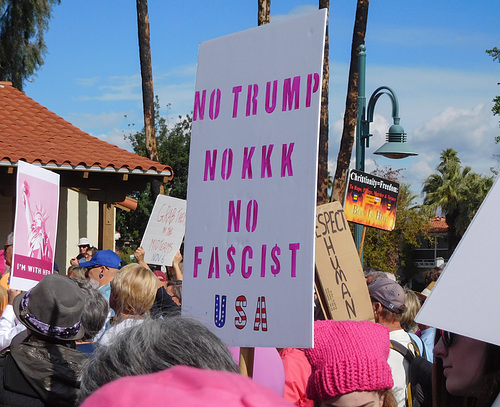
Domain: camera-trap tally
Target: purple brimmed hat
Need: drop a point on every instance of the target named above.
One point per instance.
(106, 258)
(53, 308)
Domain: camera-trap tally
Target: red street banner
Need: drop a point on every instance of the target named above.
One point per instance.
(371, 200)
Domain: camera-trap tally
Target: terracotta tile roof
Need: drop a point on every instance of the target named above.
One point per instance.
(31, 132)
(438, 224)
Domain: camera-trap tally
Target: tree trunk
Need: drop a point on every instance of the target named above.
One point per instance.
(350, 114)
(453, 236)
(264, 14)
(322, 187)
(147, 87)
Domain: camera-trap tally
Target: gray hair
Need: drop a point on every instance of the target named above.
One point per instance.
(95, 312)
(77, 272)
(152, 346)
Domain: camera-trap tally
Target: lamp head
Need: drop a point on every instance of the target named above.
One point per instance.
(396, 146)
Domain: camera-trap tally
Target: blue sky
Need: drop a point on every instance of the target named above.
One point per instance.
(430, 52)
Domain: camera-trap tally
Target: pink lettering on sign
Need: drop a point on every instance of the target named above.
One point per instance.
(214, 104)
(247, 163)
(214, 263)
(265, 167)
(252, 214)
(199, 105)
(271, 99)
(290, 97)
(197, 260)
(247, 253)
(286, 160)
(248, 258)
(227, 163)
(291, 93)
(230, 267)
(30, 268)
(236, 92)
(234, 215)
(311, 88)
(253, 91)
(212, 165)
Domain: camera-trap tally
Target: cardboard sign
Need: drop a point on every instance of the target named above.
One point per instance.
(35, 225)
(371, 200)
(465, 299)
(249, 244)
(340, 282)
(165, 230)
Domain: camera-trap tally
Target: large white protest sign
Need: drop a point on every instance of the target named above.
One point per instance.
(465, 299)
(165, 230)
(35, 225)
(249, 248)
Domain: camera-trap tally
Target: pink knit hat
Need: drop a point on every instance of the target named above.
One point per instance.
(348, 356)
(183, 386)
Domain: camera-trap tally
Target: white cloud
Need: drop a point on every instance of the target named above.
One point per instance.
(179, 96)
(115, 88)
(87, 82)
(294, 12)
(105, 119)
(425, 37)
(116, 137)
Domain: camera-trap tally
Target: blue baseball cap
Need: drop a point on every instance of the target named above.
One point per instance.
(106, 258)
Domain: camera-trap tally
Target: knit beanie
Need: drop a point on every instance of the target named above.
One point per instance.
(185, 386)
(348, 356)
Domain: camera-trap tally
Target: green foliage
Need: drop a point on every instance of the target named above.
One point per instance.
(22, 46)
(131, 225)
(457, 192)
(173, 149)
(392, 250)
(495, 54)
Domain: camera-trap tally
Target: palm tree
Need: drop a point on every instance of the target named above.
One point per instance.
(457, 192)
(147, 87)
(264, 13)
(351, 107)
(323, 175)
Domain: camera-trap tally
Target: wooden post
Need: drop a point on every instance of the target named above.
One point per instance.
(362, 242)
(107, 226)
(246, 361)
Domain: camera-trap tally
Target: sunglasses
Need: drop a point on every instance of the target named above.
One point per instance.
(447, 338)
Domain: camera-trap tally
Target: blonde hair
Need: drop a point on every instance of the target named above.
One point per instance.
(133, 290)
(412, 304)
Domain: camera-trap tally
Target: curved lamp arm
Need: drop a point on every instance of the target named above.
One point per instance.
(383, 90)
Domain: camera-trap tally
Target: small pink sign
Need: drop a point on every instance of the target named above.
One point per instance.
(35, 228)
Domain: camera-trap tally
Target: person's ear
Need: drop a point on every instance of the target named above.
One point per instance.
(377, 306)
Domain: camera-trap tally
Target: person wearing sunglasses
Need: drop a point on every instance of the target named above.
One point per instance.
(466, 371)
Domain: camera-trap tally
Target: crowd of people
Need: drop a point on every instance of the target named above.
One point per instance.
(109, 334)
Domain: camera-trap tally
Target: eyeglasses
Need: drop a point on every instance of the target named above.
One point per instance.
(447, 338)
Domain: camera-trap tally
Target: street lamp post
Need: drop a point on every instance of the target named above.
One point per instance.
(395, 147)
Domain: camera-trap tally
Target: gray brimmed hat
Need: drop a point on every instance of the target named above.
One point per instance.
(53, 308)
(389, 293)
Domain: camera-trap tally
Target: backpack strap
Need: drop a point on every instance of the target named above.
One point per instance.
(402, 350)
(414, 339)
(405, 352)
